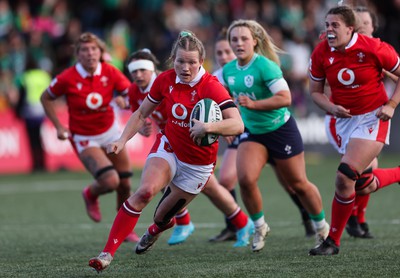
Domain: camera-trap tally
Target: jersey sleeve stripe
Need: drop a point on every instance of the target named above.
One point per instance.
(51, 93)
(152, 99)
(278, 85)
(125, 92)
(227, 104)
(396, 66)
(316, 78)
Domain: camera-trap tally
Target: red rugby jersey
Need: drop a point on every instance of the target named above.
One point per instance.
(88, 96)
(355, 76)
(179, 101)
(136, 97)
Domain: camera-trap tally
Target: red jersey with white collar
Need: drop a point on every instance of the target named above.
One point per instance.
(136, 97)
(355, 75)
(88, 96)
(179, 100)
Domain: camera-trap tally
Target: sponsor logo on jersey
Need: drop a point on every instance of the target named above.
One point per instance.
(79, 86)
(180, 113)
(94, 100)
(249, 81)
(231, 80)
(331, 60)
(346, 76)
(170, 89)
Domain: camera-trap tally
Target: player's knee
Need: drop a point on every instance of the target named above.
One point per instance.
(146, 192)
(228, 181)
(247, 179)
(108, 178)
(125, 175)
(348, 171)
(364, 181)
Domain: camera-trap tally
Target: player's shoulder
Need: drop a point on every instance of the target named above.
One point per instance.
(209, 80)
(133, 88)
(109, 68)
(261, 62)
(67, 74)
(168, 74)
(322, 46)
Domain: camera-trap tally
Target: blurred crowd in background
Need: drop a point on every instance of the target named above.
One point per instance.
(40, 33)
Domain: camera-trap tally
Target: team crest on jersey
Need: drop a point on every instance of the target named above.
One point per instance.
(331, 60)
(248, 81)
(193, 95)
(79, 86)
(104, 81)
(94, 100)
(231, 80)
(361, 57)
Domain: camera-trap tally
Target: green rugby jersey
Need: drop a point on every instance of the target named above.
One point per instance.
(253, 80)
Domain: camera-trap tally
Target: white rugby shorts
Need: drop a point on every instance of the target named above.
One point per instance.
(366, 126)
(189, 178)
(82, 142)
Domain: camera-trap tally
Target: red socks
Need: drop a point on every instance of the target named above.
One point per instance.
(387, 176)
(341, 211)
(154, 229)
(123, 225)
(238, 218)
(360, 207)
(183, 218)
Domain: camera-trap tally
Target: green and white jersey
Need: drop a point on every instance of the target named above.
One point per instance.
(254, 80)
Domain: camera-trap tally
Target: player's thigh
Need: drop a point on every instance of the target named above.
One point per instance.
(94, 159)
(156, 175)
(251, 158)
(293, 170)
(121, 161)
(227, 170)
(361, 152)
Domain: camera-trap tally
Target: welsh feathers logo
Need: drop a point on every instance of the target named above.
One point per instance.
(104, 81)
(248, 81)
(94, 100)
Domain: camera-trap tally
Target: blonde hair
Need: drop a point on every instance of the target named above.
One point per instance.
(265, 45)
(188, 41)
(90, 37)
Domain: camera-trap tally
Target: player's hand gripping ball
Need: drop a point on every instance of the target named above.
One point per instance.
(206, 111)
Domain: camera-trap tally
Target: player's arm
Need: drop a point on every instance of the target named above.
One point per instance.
(48, 104)
(386, 112)
(231, 124)
(323, 102)
(281, 97)
(135, 122)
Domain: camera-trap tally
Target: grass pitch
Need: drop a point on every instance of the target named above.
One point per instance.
(45, 232)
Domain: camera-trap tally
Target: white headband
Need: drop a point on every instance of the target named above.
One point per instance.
(141, 64)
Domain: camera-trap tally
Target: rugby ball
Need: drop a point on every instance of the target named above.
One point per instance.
(206, 111)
